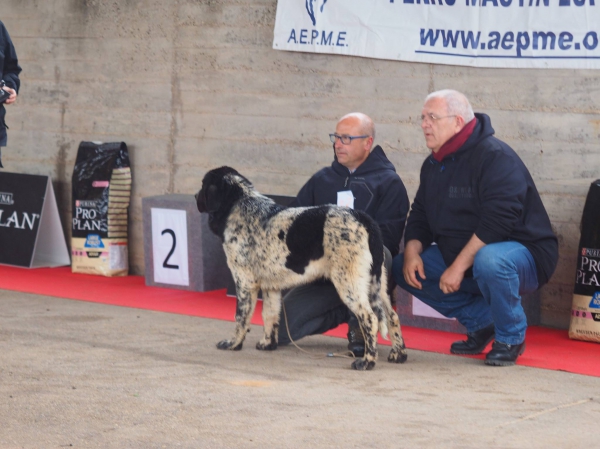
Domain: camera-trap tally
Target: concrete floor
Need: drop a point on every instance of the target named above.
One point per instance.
(77, 374)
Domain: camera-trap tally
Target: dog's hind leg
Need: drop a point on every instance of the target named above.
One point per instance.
(355, 293)
(271, 311)
(369, 325)
(246, 302)
(398, 353)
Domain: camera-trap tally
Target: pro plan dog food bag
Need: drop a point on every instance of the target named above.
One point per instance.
(585, 314)
(100, 204)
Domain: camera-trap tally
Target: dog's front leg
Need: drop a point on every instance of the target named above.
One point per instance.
(246, 302)
(354, 294)
(271, 311)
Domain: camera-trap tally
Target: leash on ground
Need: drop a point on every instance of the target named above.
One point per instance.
(347, 355)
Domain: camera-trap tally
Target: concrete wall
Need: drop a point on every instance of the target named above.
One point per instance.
(191, 85)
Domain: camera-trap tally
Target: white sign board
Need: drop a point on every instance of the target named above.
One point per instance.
(419, 308)
(480, 33)
(170, 246)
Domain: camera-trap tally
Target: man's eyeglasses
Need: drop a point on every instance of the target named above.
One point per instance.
(345, 139)
(432, 118)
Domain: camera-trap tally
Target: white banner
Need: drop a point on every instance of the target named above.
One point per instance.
(480, 33)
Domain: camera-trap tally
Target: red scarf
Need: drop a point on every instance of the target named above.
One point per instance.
(455, 142)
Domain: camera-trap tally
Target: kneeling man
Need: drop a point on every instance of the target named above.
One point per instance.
(361, 177)
(478, 235)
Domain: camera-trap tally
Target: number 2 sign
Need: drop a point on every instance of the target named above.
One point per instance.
(170, 246)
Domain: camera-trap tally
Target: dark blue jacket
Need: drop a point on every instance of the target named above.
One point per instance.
(9, 72)
(377, 190)
(483, 189)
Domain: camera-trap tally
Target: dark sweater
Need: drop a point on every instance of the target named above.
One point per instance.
(9, 72)
(377, 190)
(483, 189)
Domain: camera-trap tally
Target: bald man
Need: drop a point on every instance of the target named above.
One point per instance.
(360, 177)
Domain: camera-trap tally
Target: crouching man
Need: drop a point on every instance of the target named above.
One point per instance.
(478, 235)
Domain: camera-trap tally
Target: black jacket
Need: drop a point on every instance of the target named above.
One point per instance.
(9, 72)
(483, 189)
(377, 190)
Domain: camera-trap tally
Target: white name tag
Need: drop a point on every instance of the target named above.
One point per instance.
(345, 198)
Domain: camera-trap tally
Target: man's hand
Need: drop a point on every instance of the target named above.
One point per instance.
(13, 95)
(455, 273)
(451, 279)
(413, 264)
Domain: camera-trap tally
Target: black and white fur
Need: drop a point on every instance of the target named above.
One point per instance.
(272, 248)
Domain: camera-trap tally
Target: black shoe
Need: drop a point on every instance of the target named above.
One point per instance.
(475, 342)
(503, 354)
(356, 340)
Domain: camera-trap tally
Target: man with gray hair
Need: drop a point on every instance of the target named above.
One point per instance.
(478, 235)
(360, 177)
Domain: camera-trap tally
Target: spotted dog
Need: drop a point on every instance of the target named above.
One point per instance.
(272, 248)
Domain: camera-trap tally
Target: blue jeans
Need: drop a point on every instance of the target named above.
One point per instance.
(501, 272)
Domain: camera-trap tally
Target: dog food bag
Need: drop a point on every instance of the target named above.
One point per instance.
(585, 313)
(100, 204)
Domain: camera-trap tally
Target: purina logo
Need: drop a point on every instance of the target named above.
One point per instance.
(312, 6)
(6, 199)
(85, 203)
(590, 252)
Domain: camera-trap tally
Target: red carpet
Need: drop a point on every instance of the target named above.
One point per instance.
(546, 348)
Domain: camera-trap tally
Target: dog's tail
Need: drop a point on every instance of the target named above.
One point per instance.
(376, 299)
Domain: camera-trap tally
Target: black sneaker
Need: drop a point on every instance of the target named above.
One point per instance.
(503, 354)
(356, 340)
(475, 342)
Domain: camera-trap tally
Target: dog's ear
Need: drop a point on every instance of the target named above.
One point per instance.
(212, 198)
(200, 203)
(220, 190)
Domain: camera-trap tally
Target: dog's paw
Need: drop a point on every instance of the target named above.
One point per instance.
(362, 365)
(228, 344)
(397, 356)
(266, 346)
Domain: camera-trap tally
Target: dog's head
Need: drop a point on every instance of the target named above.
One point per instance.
(221, 188)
